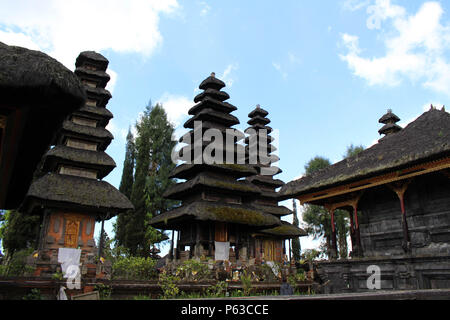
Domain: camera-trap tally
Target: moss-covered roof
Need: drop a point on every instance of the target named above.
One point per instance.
(285, 231)
(210, 211)
(275, 210)
(97, 160)
(77, 191)
(28, 75)
(205, 181)
(186, 171)
(425, 139)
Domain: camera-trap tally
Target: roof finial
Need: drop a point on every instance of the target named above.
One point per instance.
(389, 110)
(443, 108)
(431, 107)
(258, 106)
(213, 74)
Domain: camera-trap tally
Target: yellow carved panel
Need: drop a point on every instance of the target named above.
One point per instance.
(71, 235)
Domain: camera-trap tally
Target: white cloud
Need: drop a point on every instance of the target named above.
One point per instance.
(277, 67)
(205, 8)
(62, 29)
(176, 107)
(381, 11)
(227, 76)
(354, 5)
(118, 133)
(416, 47)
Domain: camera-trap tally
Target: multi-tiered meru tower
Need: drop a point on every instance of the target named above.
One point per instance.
(70, 194)
(215, 214)
(259, 153)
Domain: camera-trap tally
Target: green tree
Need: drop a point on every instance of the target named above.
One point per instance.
(126, 187)
(317, 218)
(153, 164)
(18, 231)
(353, 150)
(296, 248)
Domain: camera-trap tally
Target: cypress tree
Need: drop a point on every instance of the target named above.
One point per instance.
(153, 164)
(296, 247)
(126, 186)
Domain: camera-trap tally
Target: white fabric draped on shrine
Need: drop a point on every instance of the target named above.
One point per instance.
(222, 250)
(68, 257)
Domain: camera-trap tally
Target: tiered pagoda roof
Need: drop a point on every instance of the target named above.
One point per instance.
(259, 148)
(390, 124)
(212, 191)
(78, 160)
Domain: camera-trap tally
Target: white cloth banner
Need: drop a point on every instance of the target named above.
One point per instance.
(222, 250)
(68, 257)
(273, 266)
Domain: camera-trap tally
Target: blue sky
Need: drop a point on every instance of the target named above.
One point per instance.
(325, 70)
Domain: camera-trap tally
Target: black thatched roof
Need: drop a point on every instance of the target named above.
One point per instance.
(99, 76)
(97, 132)
(205, 181)
(97, 160)
(186, 171)
(209, 102)
(38, 93)
(286, 230)
(211, 211)
(212, 93)
(32, 76)
(92, 57)
(258, 111)
(425, 139)
(70, 191)
(212, 82)
(209, 114)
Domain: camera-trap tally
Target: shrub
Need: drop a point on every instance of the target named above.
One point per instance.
(217, 290)
(17, 266)
(134, 268)
(193, 270)
(246, 280)
(168, 284)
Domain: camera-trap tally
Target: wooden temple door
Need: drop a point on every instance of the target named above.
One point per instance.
(269, 250)
(221, 232)
(71, 235)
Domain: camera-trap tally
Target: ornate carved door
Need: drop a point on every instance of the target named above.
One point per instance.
(71, 235)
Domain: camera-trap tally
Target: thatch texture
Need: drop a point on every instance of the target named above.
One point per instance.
(206, 114)
(210, 211)
(74, 191)
(286, 230)
(97, 132)
(34, 77)
(186, 171)
(97, 160)
(92, 57)
(209, 102)
(206, 181)
(425, 139)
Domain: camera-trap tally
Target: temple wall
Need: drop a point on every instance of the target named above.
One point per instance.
(399, 273)
(427, 205)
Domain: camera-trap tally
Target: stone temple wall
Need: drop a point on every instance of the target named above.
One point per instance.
(427, 204)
